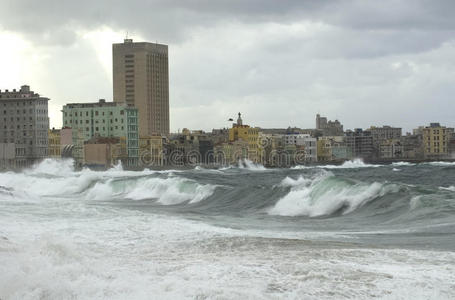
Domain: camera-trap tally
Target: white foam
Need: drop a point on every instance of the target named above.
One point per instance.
(350, 164)
(415, 202)
(402, 163)
(441, 163)
(249, 165)
(116, 255)
(396, 170)
(289, 182)
(325, 195)
(56, 178)
(170, 191)
(53, 167)
(450, 188)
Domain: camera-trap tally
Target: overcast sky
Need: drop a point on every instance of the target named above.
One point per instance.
(278, 62)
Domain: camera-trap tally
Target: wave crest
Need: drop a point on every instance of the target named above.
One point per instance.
(325, 195)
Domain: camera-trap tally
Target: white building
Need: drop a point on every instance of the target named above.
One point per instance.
(309, 145)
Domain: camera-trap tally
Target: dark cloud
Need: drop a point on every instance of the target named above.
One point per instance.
(171, 20)
(362, 61)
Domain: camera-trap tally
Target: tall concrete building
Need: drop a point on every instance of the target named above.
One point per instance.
(141, 79)
(24, 125)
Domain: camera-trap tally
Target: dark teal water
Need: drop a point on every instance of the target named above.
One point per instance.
(354, 231)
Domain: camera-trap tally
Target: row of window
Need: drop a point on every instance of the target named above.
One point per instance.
(122, 112)
(25, 103)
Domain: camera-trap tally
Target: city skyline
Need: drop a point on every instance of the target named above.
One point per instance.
(280, 64)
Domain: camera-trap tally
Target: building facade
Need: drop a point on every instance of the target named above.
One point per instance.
(359, 143)
(54, 144)
(329, 128)
(141, 79)
(24, 122)
(102, 119)
(249, 135)
(436, 140)
(303, 142)
(380, 134)
(151, 151)
(104, 152)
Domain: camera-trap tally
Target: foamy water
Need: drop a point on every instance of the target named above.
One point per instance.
(227, 234)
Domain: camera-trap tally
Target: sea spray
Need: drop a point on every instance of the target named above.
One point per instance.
(350, 164)
(249, 165)
(325, 195)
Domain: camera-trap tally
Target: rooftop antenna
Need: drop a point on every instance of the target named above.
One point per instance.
(126, 35)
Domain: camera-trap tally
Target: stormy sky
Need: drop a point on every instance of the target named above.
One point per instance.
(278, 62)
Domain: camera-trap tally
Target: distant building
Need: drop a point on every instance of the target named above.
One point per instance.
(391, 149)
(359, 143)
(412, 146)
(231, 152)
(249, 135)
(66, 142)
(102, 119)
(151, 151)
(7, 156)
(104, 152)
(329, 128)
(307, 143)
(54, 146)
(383, 133)
(141, 79)
(332, 148)
(436, 140)
(275, 151)
(24, 122)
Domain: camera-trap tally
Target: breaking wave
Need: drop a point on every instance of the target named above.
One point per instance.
(249, 165)
(312, 192)
(402, 163)
(52, 178)
(450, 188)
(326, 194)
(442, 163)
(350, 164)
(167, 191)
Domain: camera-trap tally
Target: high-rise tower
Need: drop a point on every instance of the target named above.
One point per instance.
(141, 79)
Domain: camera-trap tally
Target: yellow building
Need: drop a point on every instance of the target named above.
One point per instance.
(151, 150)
(436, 140)
(240, 132)
(231, 152)
(54, 146)
(324, 150)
